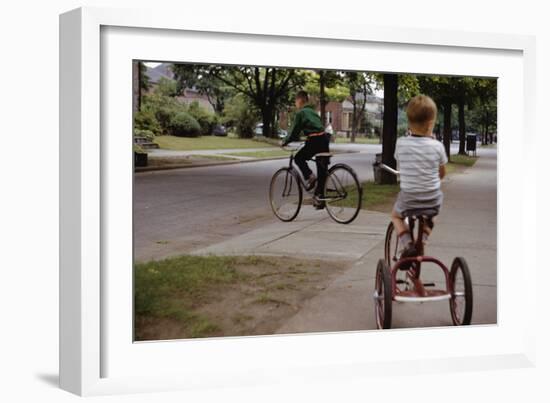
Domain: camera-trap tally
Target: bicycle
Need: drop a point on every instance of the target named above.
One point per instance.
(342, 191)
(398, 279)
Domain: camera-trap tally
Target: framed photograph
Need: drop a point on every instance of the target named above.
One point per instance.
(236, 199)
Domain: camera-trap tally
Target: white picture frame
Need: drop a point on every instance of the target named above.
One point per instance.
(89, 340)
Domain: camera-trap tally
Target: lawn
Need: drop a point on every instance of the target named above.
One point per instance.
(459, 163)
(205, 296)
(262, 154)
(206, 143)
(381, 197)
(358, 140)
(186, 160)
(375, 197)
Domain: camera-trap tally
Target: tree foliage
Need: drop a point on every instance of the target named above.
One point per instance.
(267, 88)
(360, 85)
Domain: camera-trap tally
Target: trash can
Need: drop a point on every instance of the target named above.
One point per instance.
(376, 168)
(140, 159)
(471, 143)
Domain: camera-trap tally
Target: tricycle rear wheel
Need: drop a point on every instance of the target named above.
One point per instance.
(461, 302)
(383, 296)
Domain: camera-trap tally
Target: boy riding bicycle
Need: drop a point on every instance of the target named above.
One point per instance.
(309, 122)
(421, 161)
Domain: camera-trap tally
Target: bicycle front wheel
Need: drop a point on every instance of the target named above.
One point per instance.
(285, 194)
(343, 194)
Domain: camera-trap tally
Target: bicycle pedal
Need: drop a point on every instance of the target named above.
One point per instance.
(428, 284)
(400, 281)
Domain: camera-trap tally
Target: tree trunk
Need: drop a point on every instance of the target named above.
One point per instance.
(136, 86)
(389, 128)
(461, 128)
(353, 121)
(447, 108)
(267, 120)
(322, 97)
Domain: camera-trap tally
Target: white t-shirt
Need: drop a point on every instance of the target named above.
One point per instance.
(419, 159)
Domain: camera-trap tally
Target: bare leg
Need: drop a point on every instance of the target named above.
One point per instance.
(428, 230)
(398, 223)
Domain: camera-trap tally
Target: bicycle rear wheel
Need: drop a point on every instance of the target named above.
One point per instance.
(285, 194)
(343, 194)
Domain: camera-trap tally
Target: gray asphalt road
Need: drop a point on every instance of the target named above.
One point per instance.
(177, 211)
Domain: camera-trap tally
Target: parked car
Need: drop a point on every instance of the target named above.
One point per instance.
(219, 130)
(259, 129)
(282, 133)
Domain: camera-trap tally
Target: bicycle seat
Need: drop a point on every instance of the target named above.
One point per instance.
(421, 212)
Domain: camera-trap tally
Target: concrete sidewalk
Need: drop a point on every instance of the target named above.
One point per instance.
(466, 227)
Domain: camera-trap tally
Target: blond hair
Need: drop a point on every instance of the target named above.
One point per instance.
(421, 112)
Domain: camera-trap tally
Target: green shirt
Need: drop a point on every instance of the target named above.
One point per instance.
(306, 121)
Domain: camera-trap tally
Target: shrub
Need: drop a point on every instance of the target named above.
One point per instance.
(164, 116)
(207, 120)
(242, 116)
(146, 120)
(163, 107)
(183, 124)
(148, 134)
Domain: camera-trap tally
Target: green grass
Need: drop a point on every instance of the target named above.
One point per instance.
(459, 162)
(185, 160)
(358, 140)
(214, 157)
(373, 195)
(206, 143)
(463, 160)
(262, 154)
(172, 287)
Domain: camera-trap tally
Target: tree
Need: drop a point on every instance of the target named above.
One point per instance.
(241, 115)
(360, 85)
(465, 88)
(443, 91)
(389, 126)
(484, 114)
(267, 88)
(328, 79)
(142, 84)
(194, 76)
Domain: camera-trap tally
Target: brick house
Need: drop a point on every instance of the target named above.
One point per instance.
(339, 114)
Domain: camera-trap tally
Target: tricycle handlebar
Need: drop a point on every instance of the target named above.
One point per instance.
(388, 169)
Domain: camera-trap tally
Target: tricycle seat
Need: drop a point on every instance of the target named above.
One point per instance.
(421, 212)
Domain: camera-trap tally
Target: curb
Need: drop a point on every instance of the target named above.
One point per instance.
(213, 164)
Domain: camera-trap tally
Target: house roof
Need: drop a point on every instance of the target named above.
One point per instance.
(162, 70)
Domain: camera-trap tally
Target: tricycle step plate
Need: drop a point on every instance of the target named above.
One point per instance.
(414, 296)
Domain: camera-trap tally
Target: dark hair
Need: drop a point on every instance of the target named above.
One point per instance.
(302, 95)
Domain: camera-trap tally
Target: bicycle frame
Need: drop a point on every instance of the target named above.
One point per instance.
(291, 164)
